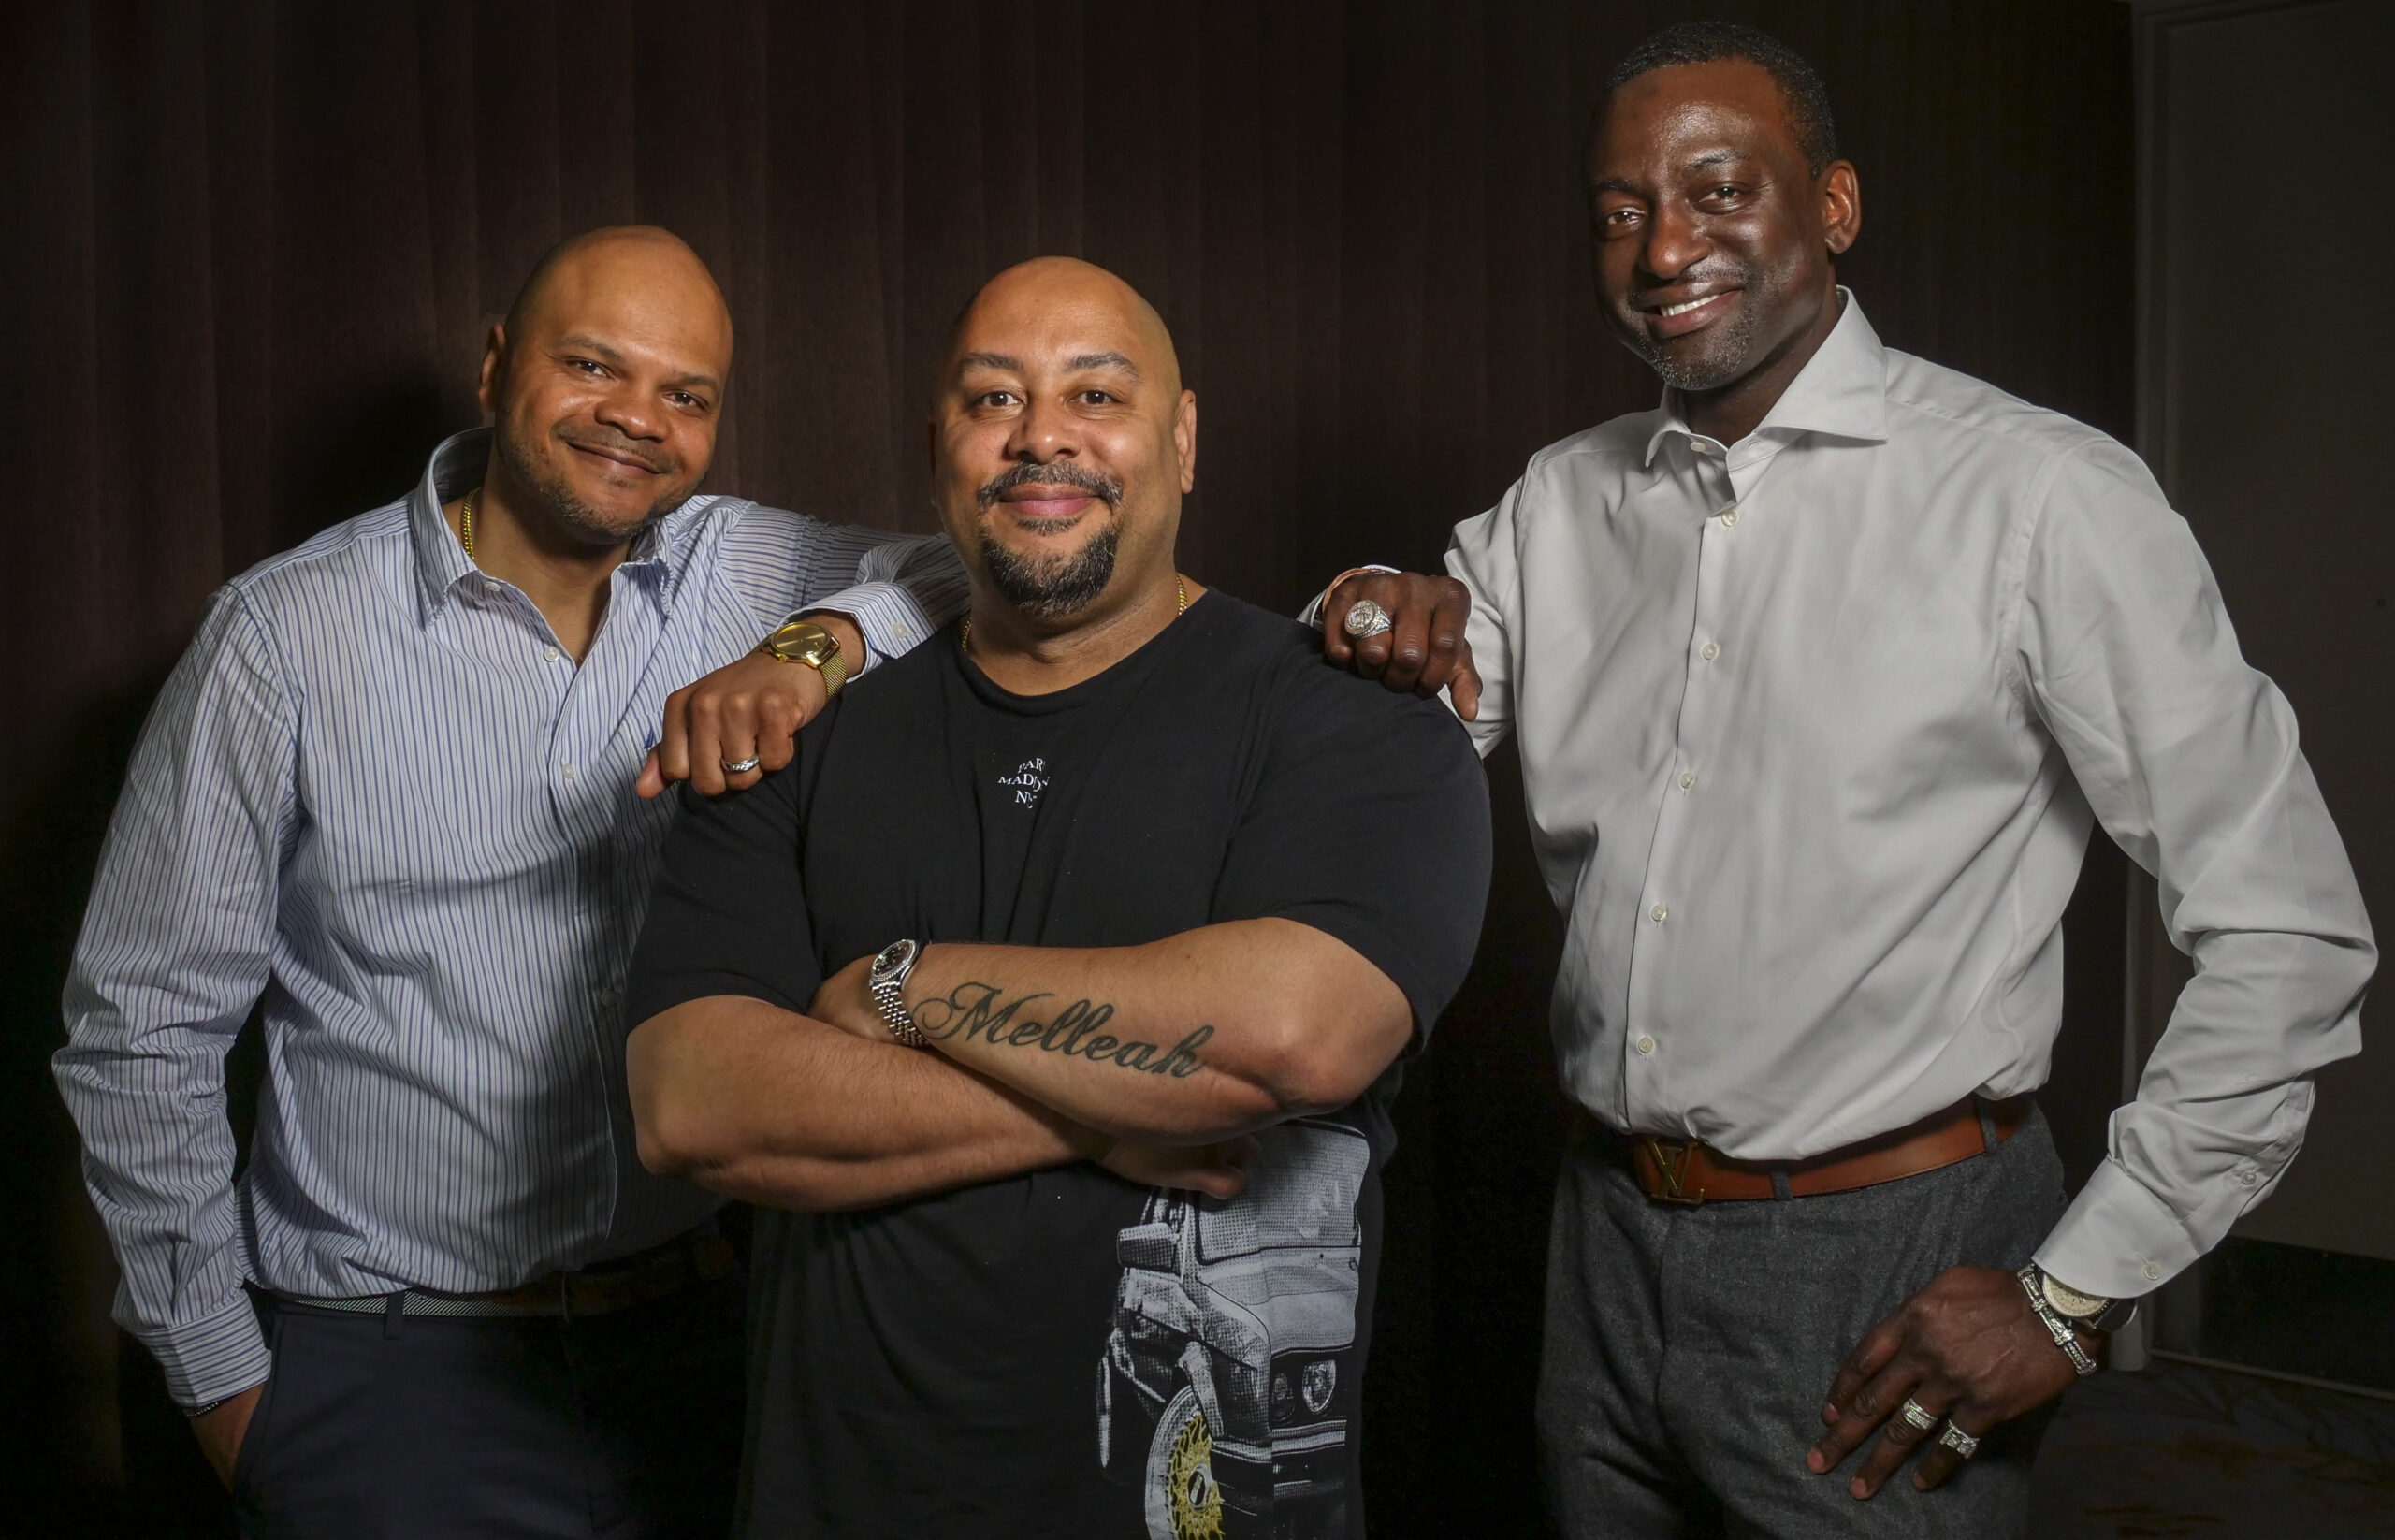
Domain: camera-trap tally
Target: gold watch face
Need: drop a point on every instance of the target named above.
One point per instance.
(803, 641)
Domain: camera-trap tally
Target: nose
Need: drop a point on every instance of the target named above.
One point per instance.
(1675, 242)
(632, 411)
(1044, 433)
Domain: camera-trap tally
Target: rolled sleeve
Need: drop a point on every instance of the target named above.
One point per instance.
(2189, 759)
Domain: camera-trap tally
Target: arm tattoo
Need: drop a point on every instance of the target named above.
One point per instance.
(976, 1009)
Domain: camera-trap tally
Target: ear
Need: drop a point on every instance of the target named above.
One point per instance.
(494, 369)
(1841, 206)
(1185, 440)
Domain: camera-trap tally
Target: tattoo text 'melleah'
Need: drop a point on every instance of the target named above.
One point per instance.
(975, 1010)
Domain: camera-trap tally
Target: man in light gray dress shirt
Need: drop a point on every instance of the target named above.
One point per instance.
(1821, 672)
(389, 797)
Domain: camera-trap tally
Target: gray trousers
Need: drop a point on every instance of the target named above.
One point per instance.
(1689, 1350)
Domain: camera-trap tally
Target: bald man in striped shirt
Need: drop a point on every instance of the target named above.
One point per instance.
(389, 797)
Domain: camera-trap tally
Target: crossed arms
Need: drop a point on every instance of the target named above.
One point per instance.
(1155, 1060)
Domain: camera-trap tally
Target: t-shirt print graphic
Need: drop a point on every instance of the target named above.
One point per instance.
(1229, 1381)
(1029, 779)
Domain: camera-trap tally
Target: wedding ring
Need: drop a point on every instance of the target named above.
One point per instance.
(1366, 618)
(1915, 1417)
(739, 767)
(1960, 1441)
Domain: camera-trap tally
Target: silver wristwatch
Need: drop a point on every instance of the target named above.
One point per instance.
(2065, 1312)
(2088, 1312)
(886, 979)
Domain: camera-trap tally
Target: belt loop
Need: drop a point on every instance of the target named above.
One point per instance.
(1780, 1191)
(1988, 1136)
(395, 1316)
(565, 1295)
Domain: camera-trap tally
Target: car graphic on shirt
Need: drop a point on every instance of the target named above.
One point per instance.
(1229, 1381)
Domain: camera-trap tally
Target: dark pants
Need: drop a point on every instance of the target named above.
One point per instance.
(1689, 1350)
(626, 1425)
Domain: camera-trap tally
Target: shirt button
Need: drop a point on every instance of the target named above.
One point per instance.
(1645, 1045)
(1658, 913)
(1687, 781)
(567, 770)
(551, 654)
(2247, 1178)
(1729, 517)
(2152, 1272)
(1710, 651)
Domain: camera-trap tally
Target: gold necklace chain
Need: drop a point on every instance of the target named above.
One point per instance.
(965, 632)
(466, 524)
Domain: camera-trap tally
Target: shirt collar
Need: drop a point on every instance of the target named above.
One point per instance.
(1841, 391)
(657, 556)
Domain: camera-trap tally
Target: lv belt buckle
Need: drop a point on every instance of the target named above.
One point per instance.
(1671, 1158)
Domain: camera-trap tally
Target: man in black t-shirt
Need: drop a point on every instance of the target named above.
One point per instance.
(1049, 1002)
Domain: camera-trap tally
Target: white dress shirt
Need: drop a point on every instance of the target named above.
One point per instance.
(1812, 727)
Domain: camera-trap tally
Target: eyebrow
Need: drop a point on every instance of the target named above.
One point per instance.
(1718, 157)
(580, 342)
(1084, 361)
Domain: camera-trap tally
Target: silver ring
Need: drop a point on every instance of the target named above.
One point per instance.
(1916, 1417)
(1960, 1441)
(739, 767)
(1366, 618)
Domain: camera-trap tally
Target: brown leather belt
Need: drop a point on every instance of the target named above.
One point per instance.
(703, 1256)
(1675, 1170)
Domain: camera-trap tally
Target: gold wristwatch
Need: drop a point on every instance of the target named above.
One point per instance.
(805, 642)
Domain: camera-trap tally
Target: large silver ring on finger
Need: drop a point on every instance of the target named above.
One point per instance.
(1366, 618)
(1915, 1417)
(740, 767)
(1960, 1441)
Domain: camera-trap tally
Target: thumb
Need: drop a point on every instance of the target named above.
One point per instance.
(1464, 690)
(652, 780)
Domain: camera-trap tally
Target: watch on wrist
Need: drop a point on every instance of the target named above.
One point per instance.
(886, 979)
(805, 642)
(2090, 1312)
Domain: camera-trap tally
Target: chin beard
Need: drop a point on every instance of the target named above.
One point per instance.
(555, 498)
(1057, 586)
(1725, 358)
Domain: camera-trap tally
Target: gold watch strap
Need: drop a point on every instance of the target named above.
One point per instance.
(831, 664)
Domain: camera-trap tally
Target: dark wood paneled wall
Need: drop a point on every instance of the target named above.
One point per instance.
(256, 246)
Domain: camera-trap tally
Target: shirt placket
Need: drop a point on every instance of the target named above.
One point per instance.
(1665, 912)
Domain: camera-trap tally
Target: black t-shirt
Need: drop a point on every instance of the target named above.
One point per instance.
(1063, 1353)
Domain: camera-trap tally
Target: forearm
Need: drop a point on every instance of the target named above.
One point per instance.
(1210, 1034)
(761, 1104)
(906, 589)
(158, 1166)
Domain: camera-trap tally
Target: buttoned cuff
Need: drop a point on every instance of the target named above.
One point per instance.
(886, 614)
(209, 1360)
(2117, 1240)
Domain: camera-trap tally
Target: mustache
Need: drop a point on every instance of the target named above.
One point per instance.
(616, 445)
(1064, 473)
(1724, 274)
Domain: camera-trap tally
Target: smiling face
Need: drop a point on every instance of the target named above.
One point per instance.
(1713, 238)
(1062, 442)
(607, 383)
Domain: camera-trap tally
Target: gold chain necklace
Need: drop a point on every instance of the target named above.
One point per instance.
(965, 632)
(466, 524)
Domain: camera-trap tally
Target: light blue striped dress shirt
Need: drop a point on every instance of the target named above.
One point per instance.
(376, 795)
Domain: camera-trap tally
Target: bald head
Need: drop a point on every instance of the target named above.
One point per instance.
(1062, 441)
(1056, 289)
(606, 380)
(617, 256)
